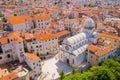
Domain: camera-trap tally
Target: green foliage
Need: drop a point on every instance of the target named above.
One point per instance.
(8, 67)
(102, 73)
(73, 70)
(113, 66)
(118, 59)
(76, 76)
(109, 70)
(62, 75)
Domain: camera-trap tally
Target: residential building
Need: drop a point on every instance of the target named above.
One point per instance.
(42, 21)
(97, 54)
(10, 47)
(43, 44)
(20, 23)
(112, 38)
(34, 62)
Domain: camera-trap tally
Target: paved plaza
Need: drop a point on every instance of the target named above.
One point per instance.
(52, 67)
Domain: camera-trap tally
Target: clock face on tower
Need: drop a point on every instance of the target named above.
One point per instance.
(66, 47)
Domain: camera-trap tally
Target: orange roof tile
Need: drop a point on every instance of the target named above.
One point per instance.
(3, 72)
(109, 36)
(54, 23)
(32, 56)
(93, 48)
(18, 39)
(17, 19)
(10, 76)
(49, 29)
(16, 36)
(42, 17)
(62, 33)
(28, 36)
(4, 40)
(100, 40)
(45, 36)
(106, 50)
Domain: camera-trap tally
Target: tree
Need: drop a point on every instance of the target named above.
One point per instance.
(87, 76)
(118, 59)
(108, 70)
(76, 76)
(102, 73)
(62, 75)
(114, 66)
(73, 70)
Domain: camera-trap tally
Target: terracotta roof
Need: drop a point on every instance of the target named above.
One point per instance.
(4, 40)
(49, 29)
(54, 23)
(10, 76)
(109, 36)
(42, 17)
(45, 36)
(28, 36)
(3, 72)
(100, 40)
(93, 48)
(17, 19)
(61, 33)
(106, 50)
(32, 56)
(16, 36)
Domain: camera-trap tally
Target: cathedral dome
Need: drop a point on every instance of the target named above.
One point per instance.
(89, 23)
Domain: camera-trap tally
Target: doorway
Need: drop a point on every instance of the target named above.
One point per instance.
(68, 61)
